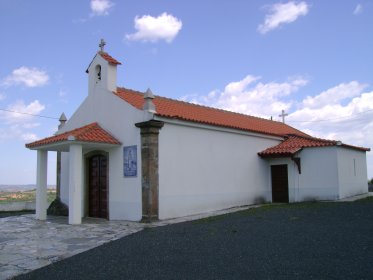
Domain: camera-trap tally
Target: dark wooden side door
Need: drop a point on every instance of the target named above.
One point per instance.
(98, 191)
(280, 186)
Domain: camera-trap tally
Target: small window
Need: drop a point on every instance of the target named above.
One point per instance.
(98, 72)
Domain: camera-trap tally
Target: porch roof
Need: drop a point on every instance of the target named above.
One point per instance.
(89, 134)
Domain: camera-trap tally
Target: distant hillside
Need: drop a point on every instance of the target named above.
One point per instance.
(20, 188)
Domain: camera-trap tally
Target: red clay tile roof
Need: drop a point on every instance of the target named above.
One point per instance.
(170, 108)
(88, 133)
(294, 143)
(109, 59)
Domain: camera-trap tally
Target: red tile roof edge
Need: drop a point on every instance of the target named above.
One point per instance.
(90, 133)
(197, 105)
(220, 125)
(105, 56)
(212, 109)
(109, 58)
(335, 143)
(356, 147)
(289, 147)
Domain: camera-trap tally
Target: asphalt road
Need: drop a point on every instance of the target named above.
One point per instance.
(298, 241)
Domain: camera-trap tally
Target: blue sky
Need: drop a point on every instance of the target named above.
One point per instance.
(311, 58)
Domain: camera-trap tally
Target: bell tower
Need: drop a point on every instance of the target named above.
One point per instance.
(102, 71)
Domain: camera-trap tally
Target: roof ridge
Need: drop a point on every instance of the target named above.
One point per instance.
(84, 128)
(87, 128)
(179, 109)
(207, 107)
(129, 89)
(312, 138)
(108, 57)
(92, 132)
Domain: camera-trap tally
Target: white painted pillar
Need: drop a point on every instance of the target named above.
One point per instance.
(41, 185)
(75, 184)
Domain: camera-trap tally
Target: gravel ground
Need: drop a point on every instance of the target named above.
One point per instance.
(297, 241)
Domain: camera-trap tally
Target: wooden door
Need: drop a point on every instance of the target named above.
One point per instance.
(280, 186)
(98, 189)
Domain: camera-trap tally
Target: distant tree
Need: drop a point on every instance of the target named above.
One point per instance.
(370, 181)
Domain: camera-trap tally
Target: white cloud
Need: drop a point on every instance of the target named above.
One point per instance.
(358, 9)
(101, 7)
(152, 29)
(334, 95)
(336, 119)
(343, 112)
(62, 93)
(237, 87)
(30, 77)
(17, 125)
(29, 137)
(17, 131)
(281, 13)
(350, 121)
(251, 97)
(33, 108)
(2, 96)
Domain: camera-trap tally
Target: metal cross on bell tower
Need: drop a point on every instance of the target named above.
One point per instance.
(283, 115)
(102, 45)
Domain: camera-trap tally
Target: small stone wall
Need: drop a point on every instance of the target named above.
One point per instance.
(17, 206)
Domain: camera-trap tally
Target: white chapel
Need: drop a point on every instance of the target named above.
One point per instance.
(131, 155)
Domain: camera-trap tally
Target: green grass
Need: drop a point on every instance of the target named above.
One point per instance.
(296, 205)
(259, 211)
(209, 219)
(20, 196)
(367, 199)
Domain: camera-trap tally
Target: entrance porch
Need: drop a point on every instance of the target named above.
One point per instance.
(78, 143)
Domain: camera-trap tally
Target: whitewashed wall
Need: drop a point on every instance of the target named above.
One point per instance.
(118, 118)
(328, 173)
(202, 170)
(319, 178)
(319, 175)
(352, 172)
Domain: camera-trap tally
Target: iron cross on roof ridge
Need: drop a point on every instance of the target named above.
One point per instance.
(102, 44)
(283, 115)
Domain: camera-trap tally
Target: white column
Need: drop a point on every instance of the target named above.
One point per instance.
(41, 185)
(75, 184)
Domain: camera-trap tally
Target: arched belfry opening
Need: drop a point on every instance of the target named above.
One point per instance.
(102, 71)
(98, 72)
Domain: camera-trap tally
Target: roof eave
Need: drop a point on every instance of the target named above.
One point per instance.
(363, 149)
(279, 154)
(64, 145)
(276, 155)
(162, 116)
